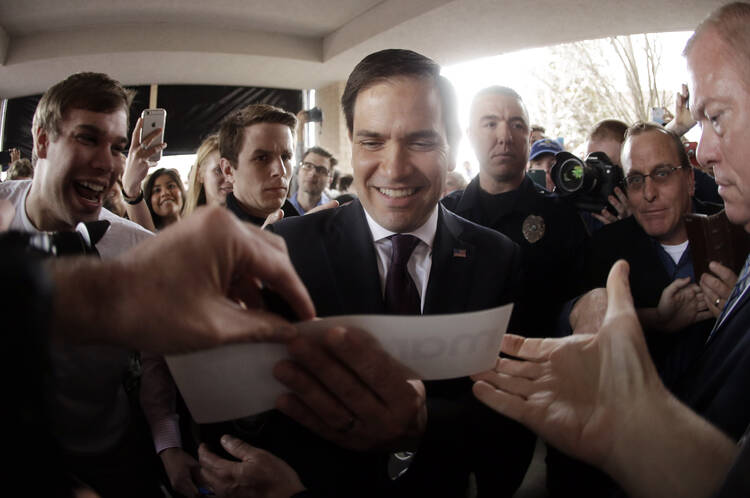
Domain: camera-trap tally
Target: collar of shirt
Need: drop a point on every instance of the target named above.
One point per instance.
(420, 262)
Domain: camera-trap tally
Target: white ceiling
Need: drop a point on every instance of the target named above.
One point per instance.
(292, 43)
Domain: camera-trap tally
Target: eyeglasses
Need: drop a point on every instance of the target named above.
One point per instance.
(320, 170)
(659, 175)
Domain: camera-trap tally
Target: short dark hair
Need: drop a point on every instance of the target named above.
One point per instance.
(95, 92)
(232, 129)
(503, 91)
(148, 187)
(321, 152)
(608, 129)
(537, 127)
(642, 127)
(392, 63)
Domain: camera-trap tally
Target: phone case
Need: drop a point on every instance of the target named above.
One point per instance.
(153, 119)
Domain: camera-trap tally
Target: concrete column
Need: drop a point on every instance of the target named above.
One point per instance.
(333, 135)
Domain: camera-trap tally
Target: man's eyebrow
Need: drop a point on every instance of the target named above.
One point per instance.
(367, 134)
(423, 134)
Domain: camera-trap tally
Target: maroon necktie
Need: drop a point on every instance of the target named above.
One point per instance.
(401, 296)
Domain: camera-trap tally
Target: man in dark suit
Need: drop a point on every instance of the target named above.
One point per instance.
(402, 123)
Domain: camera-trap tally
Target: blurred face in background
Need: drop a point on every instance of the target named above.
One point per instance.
(215, 184)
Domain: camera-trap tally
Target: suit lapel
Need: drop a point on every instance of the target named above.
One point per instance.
(740, 304)
(352, 257)
(448, 287)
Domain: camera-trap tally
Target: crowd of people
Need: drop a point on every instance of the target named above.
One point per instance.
(634, 372)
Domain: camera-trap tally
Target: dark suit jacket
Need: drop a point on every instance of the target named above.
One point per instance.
(334, 255)
(717, 384)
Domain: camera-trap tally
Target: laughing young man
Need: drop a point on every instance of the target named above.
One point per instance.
(80, 132)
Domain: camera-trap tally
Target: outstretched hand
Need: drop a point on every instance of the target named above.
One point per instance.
(573, 391)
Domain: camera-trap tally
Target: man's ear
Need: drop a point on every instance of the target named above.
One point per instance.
(227, 169)
(691, 179)
(41, 142)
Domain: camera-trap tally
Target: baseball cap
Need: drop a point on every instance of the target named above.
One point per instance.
(544, 146)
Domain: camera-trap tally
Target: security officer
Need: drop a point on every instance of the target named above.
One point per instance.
(549, 231)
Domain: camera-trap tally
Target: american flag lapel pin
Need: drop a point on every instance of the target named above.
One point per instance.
(459, 253)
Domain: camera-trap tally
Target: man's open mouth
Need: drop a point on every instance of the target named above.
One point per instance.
(89, 190)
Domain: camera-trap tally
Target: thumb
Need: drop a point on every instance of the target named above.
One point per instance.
(273, 218)
(619, 298)
(237, 448)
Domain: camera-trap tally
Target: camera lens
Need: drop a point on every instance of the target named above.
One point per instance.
(571, 176)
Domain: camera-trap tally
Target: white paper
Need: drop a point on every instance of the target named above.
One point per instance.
(236, 381)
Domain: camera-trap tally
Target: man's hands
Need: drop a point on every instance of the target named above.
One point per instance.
(182, 470)
(683, 120)
(717, 287)
(681, 304)
(257, 474)
(195, 285)
(619, 201)
(348, 390)
(575, 391)
(598, 397)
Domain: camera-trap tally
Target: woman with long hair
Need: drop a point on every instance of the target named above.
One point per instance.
(207, 184)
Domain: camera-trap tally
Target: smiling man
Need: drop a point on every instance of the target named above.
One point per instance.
(393, 251)
(80, 131)
(256, 144)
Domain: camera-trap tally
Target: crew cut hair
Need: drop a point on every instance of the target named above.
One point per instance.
(608, 129)
(642, 127)
(731, 22)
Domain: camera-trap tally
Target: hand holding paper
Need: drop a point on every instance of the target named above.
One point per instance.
(235, 381)
(348, 390)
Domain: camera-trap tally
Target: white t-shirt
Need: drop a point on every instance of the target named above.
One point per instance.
(676, 251)
(88, 408)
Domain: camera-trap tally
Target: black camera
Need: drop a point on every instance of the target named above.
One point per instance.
(314, 115)
(586, 184)
(55, 244)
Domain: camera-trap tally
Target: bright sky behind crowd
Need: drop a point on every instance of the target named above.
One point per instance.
(524, 72)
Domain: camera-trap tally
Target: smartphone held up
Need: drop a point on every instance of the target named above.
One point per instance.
(152, 120)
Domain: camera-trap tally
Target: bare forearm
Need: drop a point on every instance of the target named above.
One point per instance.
(666, 449)
(140, 214)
